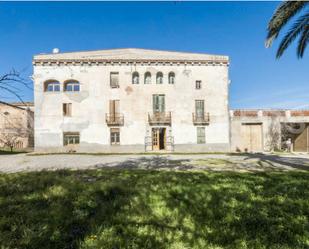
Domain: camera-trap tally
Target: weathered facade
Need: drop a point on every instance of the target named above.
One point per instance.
(131, 100)
(267, 130)
(16, 126)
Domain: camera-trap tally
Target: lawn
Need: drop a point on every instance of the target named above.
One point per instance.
(116, 209)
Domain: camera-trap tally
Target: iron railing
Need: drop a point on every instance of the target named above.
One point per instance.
(116, 119)
(160, 118)
(201, 118)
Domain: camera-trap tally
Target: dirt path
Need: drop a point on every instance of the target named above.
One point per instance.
(213, 162)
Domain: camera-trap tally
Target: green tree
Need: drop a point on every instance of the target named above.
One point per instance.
(300, 28)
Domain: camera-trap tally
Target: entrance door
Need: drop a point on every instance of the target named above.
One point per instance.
(251, 136)
(158, 138)
(301, 141)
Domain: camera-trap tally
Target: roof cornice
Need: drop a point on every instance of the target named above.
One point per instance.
(48, 62)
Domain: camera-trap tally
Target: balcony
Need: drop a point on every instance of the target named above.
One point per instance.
(115, 119)
(200, 119)
(160, 118)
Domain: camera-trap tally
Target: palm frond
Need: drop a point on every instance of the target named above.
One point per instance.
(299, 26)
(303, 42)
(282, 15)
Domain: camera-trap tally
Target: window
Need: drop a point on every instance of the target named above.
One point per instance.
(67, 109)
(71, 86)
(159, 78)
(200, 135)
(171, 78)
(199, 108)
(198, 84)
(158, 103)
(114, 80)
(147, 79)
(135, 78)
(51, 86)
(70, 138)
(115, 136)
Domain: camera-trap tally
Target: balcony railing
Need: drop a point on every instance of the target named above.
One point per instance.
(160, 118)
(200, 119)
(116, 119)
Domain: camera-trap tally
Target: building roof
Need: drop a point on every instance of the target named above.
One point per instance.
(131, 54)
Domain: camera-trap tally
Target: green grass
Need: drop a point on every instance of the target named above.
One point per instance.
(154, 209)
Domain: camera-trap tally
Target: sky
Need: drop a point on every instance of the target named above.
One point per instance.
(236, 29)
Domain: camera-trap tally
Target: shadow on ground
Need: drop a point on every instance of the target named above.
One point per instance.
(107, 208)
(243, 163)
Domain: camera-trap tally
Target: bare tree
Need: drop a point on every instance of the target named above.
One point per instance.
(13, 131)
(13, 83)
(274, 133)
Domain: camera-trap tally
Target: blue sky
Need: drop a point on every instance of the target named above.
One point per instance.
(236, 29)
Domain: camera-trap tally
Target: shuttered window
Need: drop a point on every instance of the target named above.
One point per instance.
(199, 108)
(115, 136)
(158, 103)
(198, 84)
(67, 109)
(114, 79)
(200, 135)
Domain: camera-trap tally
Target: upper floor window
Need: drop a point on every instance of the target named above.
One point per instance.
(159, 78)
(198, 84)
(135, 78)
(147, 79)
(71, 86)
(67, 109)
(51, 86)
(114, 79)
(171, 78)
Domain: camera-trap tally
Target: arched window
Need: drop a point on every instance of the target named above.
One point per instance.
(171, 78)
(51, 86)
(135, 78)
(71, 86)
(147, 79)
(159, 78)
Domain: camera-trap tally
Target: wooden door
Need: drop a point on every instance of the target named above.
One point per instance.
(155, 139)
(114, 109)
(301, 141)
(251, 136)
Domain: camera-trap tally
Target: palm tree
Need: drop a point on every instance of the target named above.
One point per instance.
(284, 13)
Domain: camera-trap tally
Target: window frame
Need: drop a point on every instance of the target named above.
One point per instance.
(73, 84)
(75, 136)
(67, 109)
(111, 75)
(198, 84)
(135, 74)
(200, 139)
(115, 136)
(53, 84)
(159, 76)
(146, 76)
(171, 75)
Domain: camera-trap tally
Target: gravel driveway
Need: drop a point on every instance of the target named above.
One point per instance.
(213, 162)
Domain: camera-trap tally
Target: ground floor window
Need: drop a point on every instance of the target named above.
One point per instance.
(115, 136)
(70, 138)
(201, 135)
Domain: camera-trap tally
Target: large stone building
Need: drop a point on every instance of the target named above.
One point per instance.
(131, 100)
(16, 125)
